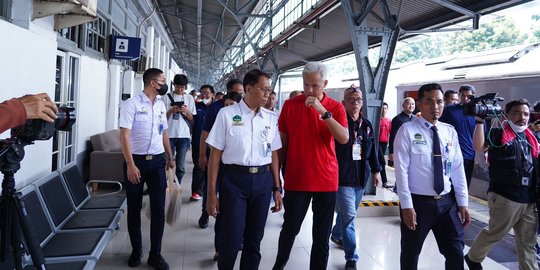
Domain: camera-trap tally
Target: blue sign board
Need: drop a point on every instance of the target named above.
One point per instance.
(125, 48)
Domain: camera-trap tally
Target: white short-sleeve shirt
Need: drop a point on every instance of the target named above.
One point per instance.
(245, 137)
(178, 127)
(146, 121)
(413, 160)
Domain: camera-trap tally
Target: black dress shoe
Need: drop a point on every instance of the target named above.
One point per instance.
(203, 221)
(134, 258)
(157, 261)
(472, 265)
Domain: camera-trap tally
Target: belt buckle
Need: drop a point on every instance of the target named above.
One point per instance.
(149, 157)
(253, 170)
(437, 197)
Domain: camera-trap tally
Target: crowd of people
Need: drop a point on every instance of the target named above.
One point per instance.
(240, 144)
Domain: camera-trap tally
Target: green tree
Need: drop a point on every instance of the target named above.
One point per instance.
(535, 28)
(491, 35)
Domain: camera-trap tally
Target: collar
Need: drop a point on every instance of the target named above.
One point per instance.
(427, 125)
(244, 108)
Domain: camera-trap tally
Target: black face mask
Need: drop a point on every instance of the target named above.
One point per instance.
(163, 89)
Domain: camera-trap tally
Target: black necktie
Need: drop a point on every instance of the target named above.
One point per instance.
(438, 181)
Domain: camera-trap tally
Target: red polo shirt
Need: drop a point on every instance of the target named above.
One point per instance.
(384, 131)
(311, 155)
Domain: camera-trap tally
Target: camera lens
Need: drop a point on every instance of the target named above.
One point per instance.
(65, 118)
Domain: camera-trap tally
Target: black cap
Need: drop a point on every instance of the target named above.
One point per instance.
(180, 79)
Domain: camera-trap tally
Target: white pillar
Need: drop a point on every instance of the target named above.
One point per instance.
(113, 97)
(157, 46)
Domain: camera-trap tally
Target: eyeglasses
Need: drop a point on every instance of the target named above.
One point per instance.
(354, 100)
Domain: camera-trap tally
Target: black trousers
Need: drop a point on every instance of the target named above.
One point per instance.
(198, 180)
(296, 204)
(153, 174)
(382, 162)
(244, 201)
(441, 216)
(469, 167)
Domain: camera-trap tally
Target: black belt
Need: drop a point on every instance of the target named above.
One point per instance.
(429, 197)
(147, 157)
(247, 169)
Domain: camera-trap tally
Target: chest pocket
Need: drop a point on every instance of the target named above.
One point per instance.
(238, 131)
(142, 120)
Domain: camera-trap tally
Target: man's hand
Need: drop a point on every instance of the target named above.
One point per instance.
(464, 216)
(203, 162)
(391, 157)
(183, 109)
(133, 174)
(39, 106)
(170, 163)
(316, 104)
(212, 204)
(376, 179)
(278, 202)
(409, 218)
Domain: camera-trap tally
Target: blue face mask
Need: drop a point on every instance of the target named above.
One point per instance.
(163, 88)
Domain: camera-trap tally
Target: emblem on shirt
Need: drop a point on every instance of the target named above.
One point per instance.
(237, 120)
(418, 139)
(143, 110)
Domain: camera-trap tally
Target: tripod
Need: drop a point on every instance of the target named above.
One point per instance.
(13, 214)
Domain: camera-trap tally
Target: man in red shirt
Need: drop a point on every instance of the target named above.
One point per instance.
(308, 125)
(384, 134)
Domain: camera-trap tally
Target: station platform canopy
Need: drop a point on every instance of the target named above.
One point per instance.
(215, 40)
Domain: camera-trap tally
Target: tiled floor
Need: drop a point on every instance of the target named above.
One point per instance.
(188, 247)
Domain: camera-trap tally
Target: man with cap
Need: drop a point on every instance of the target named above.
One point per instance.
(145, 145)
(245, 140)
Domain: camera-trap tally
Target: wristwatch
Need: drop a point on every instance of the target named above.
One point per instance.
(280, 189)
(326, 115)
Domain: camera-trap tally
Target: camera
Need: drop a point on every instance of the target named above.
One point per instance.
(483, 106)
(37, 129)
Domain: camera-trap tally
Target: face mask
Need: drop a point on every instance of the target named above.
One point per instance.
(207, 100)
(163, 89)
(517, 128)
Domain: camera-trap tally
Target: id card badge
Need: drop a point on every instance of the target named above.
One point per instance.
(525, 181)
(160, 128)
(356, 151)
(447, 167)
(267, 150)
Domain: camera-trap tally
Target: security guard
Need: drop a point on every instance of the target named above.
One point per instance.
(427, 155)
(144, 139)
(245, 138)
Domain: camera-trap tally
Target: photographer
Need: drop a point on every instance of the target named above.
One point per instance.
(513, 171)
(17, 110)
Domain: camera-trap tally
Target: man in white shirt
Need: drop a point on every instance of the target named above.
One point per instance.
(145, 146)
(180, 121)
(244, 142)
(426, 156)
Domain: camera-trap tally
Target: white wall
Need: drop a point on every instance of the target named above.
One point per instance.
(28, 67)
(92, 100)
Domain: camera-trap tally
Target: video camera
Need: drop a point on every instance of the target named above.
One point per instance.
(483, 106)
(37, 129)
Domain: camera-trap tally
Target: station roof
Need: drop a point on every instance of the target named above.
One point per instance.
(204, 31)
